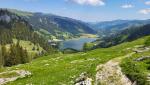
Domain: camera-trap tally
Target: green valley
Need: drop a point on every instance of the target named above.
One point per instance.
(46, 49)
(63, 69)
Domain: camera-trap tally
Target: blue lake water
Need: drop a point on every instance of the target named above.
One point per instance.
(75, 43)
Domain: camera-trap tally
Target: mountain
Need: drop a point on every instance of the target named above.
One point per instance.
(60, 27)
(129, 34)
(13, 26)
(108, 28)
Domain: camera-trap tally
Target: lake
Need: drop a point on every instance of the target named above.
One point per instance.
(75, 43)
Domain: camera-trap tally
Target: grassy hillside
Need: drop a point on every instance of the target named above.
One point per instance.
(29, 47)
(137, 68)
(62, 69)
(126, 35)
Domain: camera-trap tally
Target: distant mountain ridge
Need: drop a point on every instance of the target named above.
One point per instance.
(61, 27)
(125, 35)
(108, 28)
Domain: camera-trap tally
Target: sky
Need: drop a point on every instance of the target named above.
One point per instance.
(85, 10)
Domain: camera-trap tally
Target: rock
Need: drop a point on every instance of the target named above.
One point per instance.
(82, 77)
(137, 51)
(110, 74)
(5, 18)
(141, 49)
(142, 58)
(2, 80)
(21, 74)
(83, 80)
(134, 83)
(88, 81)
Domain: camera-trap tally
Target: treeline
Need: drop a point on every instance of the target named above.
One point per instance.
(13, 56)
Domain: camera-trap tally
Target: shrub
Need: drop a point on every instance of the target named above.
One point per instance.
(133, 71)
(147, 42)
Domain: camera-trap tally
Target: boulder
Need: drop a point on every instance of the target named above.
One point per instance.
(83, 80)
(142, 58)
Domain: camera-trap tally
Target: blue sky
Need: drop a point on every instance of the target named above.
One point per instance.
(85, 10)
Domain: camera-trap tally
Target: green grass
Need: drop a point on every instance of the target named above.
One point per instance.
(28, 46)
(9, 75)
(62, 69)
(44, 32)
(137, 70)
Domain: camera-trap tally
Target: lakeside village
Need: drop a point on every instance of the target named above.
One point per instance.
(55, 42)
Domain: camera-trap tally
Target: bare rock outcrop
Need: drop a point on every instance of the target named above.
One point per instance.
(19, 74)
(110, 73)
(83, 80)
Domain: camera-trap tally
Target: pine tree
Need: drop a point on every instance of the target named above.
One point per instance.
(147, 42)
(24, 56)
(85, 47)
(1, 58)
(3, 54)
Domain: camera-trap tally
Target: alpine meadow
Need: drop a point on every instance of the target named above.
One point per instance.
(74, 42)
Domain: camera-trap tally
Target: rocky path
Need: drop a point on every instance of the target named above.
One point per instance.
(110, 73)
(20, 74)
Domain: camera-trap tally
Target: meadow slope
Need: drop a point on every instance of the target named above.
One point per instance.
(63, 69)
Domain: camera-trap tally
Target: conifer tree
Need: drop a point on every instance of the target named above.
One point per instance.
(1, 58)
(147, 42)
(3, 54)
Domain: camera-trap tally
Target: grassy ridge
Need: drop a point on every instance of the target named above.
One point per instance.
(137, 70)
(62, 69)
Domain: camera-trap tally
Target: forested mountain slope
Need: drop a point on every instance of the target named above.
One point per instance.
(14, 27)
(60, 27)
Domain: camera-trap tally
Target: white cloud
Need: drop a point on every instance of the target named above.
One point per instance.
(147, 2)
(145, 11)
(127, 6)
(89, 2)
